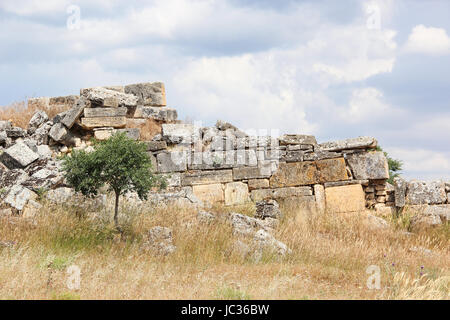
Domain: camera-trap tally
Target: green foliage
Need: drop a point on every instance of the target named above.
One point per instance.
(119, 162)
(229, 293)
(395, 166)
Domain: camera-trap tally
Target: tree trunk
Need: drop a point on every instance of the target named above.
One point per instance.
(116, 212)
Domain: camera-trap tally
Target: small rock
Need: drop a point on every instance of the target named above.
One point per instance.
(267, 209)
(206, 217)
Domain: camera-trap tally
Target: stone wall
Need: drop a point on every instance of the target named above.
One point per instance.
(204, 165)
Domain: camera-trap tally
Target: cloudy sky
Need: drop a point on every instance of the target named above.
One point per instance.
(335, 69)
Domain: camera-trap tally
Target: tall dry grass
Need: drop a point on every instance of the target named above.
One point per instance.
(330, 255)
(20, 112)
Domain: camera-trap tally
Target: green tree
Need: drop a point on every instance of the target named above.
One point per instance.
(395, 166)
(119, 162)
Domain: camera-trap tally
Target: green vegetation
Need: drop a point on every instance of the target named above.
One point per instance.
(118, 162)
(395, 166)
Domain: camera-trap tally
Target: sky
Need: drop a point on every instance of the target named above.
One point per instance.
(334, 69)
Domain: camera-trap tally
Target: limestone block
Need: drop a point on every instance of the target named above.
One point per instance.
(258, 184)
(206, 177)
(348, 144)
(210, 193)
(180, 133)
(372, 165)
(105, 112)
(245, 173)
(18, 197)
(98, 96)
(236, 193)
(171, 162)
(419, 192)
(157, 113)
(132, 133)
(149, 94)
(156, 145)
(345, 198)
(74, 113)
(98, 122)
(297, 139)
(309, 172)
(18, 155)
(38, 118)
(319, 193)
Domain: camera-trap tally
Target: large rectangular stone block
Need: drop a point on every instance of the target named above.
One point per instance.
(98, 96)
(75, 112)
(180, 133)
(18, 156)
(309, 173)
(98, 122)
(132, 133)
(157, 113)
(420, 192)
(105, 112)
(210, 193)
(372, 165)
(348, 144)
(280, 193)
(297, 139)
(149, 94)
(171, 162)
(236, 193)
(245, 173)
(206, 177)
(345, 199)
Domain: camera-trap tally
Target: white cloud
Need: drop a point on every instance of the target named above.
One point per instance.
(428, 40)
(366, 104)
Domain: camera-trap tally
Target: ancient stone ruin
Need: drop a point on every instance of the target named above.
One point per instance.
(205, 165)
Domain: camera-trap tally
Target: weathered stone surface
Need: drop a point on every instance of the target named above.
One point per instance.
(206, 217)
(206, 177)
(18, 197)
(244, 225)
(98, 122)
(111, 102)
(293, 156)
(16, 132)
(180, 133)
(258, 184)
(319, 194)
(160, 240)
(231, 130)
(132, 133)
(320, 155)
(120, 89)
(353, 143)
(376, 223)
(64, 102)
(372, 165)
(149, 94)
(266, 241)
(345, 198)
(40, 103)
(98, 95)
(3, 137)
(297, 139)
(18, 156)
(305, 173)
(74, 113)
(156, 145)
(58, 132)
(171, 161)
(346, 183)
(38, 119)
(424, 216)
(245, 173)
(157, 113)
(400, 192)
(236, 193)
(223, 159)
(210, 193)
(105, 112)
(5, 124)
(268, 209)
(12, 177)
(280, 193)
(419, 192)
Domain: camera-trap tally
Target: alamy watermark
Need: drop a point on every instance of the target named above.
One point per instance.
(74, 277)
(374, 280)
(373, 12)
(73, 21)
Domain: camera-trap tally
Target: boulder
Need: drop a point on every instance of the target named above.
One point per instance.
(148, 94)
(160, 240)
(266, 241)
(419, 192)
(16, 132)
(246, 226)
(18, 156)
(372, 165)
(348, 144)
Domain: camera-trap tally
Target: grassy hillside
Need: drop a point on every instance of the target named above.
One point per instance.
(330, 255)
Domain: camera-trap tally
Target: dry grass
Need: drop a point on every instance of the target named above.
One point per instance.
(330, 256)
(20, 113)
